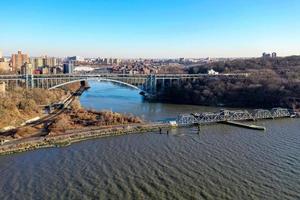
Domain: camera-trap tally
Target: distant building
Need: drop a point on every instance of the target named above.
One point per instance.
(1, 54)
(4, 66)
(266, 55)
(116, 61)
(45, 61)
(3, 59)
(83, 69)
(68, 68)
(76, 58)
(37, 62)
(110, 61)
(27, 68)
(50, 61)
(37, 71)
(53, 70)
(18, 60)
(40, 62)
(45, 70)
(212, 72)
(105, 61)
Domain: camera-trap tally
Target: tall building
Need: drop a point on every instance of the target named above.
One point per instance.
(51, 62)
(274, 55)
(68, 67)
(18, 60)
(116, 61)
(110, 61)
(38, 62)
(105, 61)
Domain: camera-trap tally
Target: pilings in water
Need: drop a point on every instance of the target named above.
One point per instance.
(199, 128)
(161, 131)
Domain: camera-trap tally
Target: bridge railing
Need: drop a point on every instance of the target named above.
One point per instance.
(124, 75)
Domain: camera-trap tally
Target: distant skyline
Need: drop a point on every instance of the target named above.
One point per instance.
(150, 29)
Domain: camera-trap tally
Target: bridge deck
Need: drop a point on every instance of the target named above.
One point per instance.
(148, 83)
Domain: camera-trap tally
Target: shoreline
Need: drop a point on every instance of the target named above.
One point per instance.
(29, 144)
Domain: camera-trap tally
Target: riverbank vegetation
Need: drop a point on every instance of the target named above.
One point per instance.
(18, 105)
(271, 83)
(77, 117)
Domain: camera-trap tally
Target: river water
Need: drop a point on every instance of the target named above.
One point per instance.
(220, 162)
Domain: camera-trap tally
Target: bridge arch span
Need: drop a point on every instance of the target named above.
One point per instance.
(96, 79)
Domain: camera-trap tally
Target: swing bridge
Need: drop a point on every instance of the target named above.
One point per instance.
(229, 115)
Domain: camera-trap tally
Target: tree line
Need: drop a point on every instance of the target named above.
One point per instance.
(272, 83)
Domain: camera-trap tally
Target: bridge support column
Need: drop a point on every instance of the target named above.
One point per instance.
(84, 84)
(26, 81)
(153, 84)
(163, 83)
(31, 81)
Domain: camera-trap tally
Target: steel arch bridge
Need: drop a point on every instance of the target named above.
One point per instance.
(147, 83)
(96, 79)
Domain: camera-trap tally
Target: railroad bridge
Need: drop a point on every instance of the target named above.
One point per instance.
(228, 115)
(148, 83)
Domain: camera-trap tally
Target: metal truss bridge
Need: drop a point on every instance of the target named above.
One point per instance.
(147, 83)
(228, 115)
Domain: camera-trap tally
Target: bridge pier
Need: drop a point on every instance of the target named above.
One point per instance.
(84, 84)
(153, 84)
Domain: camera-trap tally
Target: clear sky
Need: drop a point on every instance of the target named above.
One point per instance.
(150, 28)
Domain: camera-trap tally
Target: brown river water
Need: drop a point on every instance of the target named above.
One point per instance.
(220, 162)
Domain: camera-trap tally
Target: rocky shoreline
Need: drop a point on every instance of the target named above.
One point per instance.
(66, 139)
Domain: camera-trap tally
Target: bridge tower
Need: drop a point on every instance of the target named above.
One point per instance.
(151, 84)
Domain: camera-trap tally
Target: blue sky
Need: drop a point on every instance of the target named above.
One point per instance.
(150, 28)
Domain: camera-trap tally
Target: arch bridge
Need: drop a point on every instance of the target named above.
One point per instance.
(148, 83)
